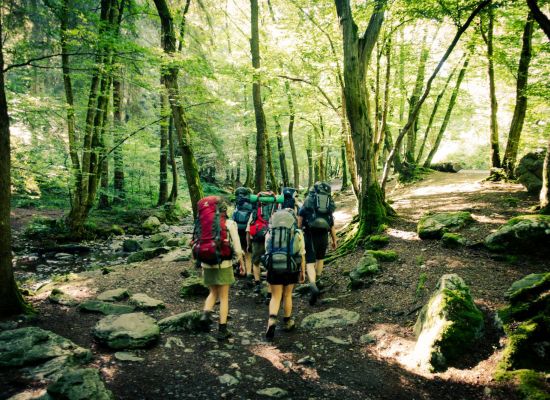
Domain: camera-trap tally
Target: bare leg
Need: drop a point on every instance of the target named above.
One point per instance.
(319, 264)
(210, 301)
(223, 292)
(256, 270)
(248, 263)
(276, 296)
(311, 272)
(287, 296)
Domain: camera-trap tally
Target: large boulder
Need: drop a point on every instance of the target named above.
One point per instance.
(193, 286)
(521, 234)
(453, 167)
(362, 274)
(143, 301)
(146, 254)
(42, 354)
(331, 318)
(131, 246)
(104, 307)
(434, 225)
(79, 384)
(151, 224)
(448, 325)
(185, 322)
(127, 331)
(529, 171)
(57, 296)
(113, 294)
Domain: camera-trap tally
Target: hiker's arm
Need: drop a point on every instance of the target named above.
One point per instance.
(333, 236)
(303, 269)
(300, 222)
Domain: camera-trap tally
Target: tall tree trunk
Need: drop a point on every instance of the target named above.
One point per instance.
(291, 113)
(310, 167)
(173, 164)
(345, 178)
(257, 99)
(432, 116)
(249, 172)
(357, 52)
(164, 128)
(495, 151)
(350, 153)
(170, 74)
(11, 302)
(281, 150)
(118, 155)
(516, 126)
(540, 17)
(447, 117)
(270, 167)
(545, 191)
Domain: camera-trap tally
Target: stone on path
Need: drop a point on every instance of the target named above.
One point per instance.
(337, 340)
(127, 331)
(521, 234)
(79, 384)
(229, 380)
(434, 225)
(193, 286)
(127, 356)
(143, 301)
(57, 296)
(330, 318)
(148, 254)
(362, 274)
(44, 353)
(113, 295)
(274, 392)
(184, 322)
(105, 308)
(448, 325)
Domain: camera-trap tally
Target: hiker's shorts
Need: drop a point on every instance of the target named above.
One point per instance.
(242, 239)
(258, 250)
(316, 241)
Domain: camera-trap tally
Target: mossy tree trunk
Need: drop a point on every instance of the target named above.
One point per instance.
(269, 158)
(173, 164)
(291, 119)
(164, 132)
(118, 157)
(310, 166)
(281, 151)
(520, 109)
(545, 191)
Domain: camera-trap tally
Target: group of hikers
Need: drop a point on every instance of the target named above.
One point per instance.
(289, 240)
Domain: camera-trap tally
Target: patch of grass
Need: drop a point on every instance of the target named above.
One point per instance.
(419, 260)
(421, 285)
(510, 201)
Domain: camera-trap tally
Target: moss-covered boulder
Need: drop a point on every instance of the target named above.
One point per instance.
(127, 331)
(521, 234)
(79, 384)
(529, 171)
(448, 325)
(193, 286)
(384, 255)
(57, 296)
(362, 274)
(147, 254)
(376, 242)
(434, 225)
(131, 246)
(113, 294)
(151, 224)
(453, 240)
(104, 307)
(185, 322)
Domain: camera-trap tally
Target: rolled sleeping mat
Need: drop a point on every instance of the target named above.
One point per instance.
(267, 199)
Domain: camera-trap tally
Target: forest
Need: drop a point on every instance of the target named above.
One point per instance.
(428, 121)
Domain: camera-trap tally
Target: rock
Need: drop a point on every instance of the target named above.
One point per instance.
(302, 289)
(127, 356)
(184, 322)
(367, 339)
(151, 224)
(143, 301)
(274, 392)
(8, 325)
(337, 340)
(117, 230)
(362, 274)
(175, 242)
(307, 360)
(229, 380)
(148, 254)
(79, 384)
(63, 256)
(330, 318)
(448, 325)
(130, 246)
(193, 286)
(57, 296)
(113, 295)
(376, 242)
(446, 167)
(219, 353)
(521, 234)
(104, 307)
(384, 255)
(127, 331)
(452, 240)
(160, 239)
(434, 225)
(529, 171)
(44, 353)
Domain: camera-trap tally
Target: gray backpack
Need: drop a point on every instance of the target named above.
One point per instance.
(322, 206)
(281, 249)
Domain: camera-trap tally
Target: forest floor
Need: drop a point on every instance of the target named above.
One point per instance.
(186, 365)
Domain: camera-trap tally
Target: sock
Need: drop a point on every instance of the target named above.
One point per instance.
(286, 319)
(222, 327)
(257, 283)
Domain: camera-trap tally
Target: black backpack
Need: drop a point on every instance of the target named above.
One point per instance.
(321, 206)
(243, 207)
(289, 201)
(282, 252)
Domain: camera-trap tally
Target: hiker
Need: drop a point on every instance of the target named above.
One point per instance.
(241, 215)
(285, 263)
(256, 231)
(316, 220)
(215, 241)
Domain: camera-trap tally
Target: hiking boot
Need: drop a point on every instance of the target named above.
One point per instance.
(223, 333)
(249, 281)
(257, 287)
(205, 321)
(314, 294)
(289, 324)
(271, 325)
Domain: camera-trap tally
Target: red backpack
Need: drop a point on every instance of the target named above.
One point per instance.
(260, 217)
(210, 237)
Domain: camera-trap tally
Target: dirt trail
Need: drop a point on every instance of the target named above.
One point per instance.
(344, 368)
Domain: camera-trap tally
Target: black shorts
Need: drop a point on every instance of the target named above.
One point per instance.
(283, 279)
(242, 237)
(316, 241)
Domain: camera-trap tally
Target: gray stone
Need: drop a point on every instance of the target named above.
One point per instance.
(151, 224)
(146, 254)
(521, 234)
(307, 360)
(113, 295)
(130, 246)
(127, 356)
(143, 301)
(434, 225)
(529, 171)
(184, 322)
(193, 286)
(367, 339)
(330, 318)
(219, 353)
(362, 274)
(337, 340)
(57, 296)
(229, 380)
(274, 392)
(448, 325)
(43, 352)
(79, 384)
(104, 307)
(127, 331)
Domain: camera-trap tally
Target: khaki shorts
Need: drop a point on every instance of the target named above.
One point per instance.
(258, 250)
